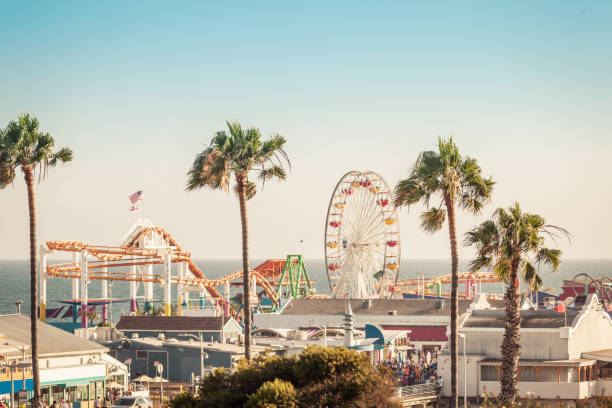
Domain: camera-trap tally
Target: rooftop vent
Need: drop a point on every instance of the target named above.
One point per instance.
(134, 335)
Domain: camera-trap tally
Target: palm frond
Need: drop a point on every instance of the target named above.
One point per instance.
(266, 174)
(407, 192)
(479, 263)
(530, 276)
(63, 155)
(433, 219)
(23, 146)
(547, 256)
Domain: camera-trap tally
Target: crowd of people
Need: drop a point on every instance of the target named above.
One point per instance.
(416, 368)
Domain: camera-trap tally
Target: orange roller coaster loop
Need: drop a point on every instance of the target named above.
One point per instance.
(133, 255)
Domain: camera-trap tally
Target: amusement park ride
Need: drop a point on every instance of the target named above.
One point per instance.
(144, 247)
(362, 254)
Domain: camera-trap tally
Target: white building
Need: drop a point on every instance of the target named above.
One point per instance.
(559, 360)
(425, 319)
(70, 368)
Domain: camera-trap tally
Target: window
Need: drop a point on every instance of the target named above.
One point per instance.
(142, 355)
(549, 374)
(488, 373)
(529, 374)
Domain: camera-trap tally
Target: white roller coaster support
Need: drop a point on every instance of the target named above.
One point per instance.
(133, 288)
(185, 292)
(148, 286)
(226, 294)
(75, 282)
(180, 288)
(84, 279)
(168, 286)
(104, 294)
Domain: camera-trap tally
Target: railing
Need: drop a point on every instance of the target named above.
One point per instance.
(417, 391)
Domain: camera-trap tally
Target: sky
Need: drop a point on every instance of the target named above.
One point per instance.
(138, 88)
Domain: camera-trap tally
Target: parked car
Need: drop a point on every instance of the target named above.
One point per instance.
(133, 402)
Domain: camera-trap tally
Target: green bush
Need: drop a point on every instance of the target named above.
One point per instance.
(273, 394)
(319, 377)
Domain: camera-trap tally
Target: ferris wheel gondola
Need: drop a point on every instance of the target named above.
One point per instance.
(362, 244)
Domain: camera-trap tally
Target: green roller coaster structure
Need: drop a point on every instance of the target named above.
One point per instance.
(294, 281)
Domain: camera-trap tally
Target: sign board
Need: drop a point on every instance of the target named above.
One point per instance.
(23, 397)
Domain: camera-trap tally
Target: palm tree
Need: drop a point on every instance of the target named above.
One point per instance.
(239, 154)
(510, 243)
(23, 146)
(456, 180)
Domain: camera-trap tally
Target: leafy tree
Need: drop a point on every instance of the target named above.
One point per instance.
(237, 155)
(456, 180)
(319, 377)
(274, 394)
(24, 147)
(510, 243)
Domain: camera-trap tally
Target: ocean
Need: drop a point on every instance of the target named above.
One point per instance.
(15, 281)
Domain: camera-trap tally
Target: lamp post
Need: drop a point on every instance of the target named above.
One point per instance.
(462, 335)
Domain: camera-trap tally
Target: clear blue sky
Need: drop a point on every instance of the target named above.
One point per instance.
(137, 89)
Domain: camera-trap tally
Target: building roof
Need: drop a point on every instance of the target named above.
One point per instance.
(229, 348)
(403, 307)
(530, 319)
(51, 340)
(600, 355)
(421, 333)
(169, 323)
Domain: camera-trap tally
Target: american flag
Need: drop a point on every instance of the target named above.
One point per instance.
(134, 198)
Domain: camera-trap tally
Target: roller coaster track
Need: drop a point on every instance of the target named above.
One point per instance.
(413, 286)
(131, 254)
(603, 291)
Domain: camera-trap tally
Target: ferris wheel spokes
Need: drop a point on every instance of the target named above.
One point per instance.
(361, 237)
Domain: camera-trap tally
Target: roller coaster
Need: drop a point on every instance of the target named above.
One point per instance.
(470, 281)
(144, 247)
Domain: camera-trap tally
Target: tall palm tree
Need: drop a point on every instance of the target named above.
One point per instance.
(510, 243)
(23, 146)
(455, 180)
(239, 154)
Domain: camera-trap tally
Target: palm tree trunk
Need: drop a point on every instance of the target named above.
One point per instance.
(29, 179)
(511, 345)
(452, 232)
(241, 180)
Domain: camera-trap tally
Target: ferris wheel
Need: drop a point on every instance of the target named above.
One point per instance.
(362, 244)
